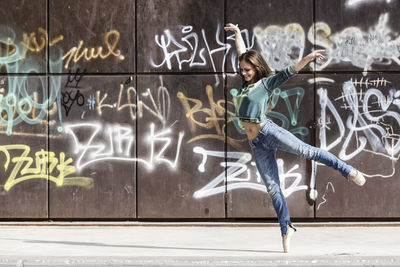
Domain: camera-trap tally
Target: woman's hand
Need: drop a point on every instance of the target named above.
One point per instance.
(240, 46)
(317, 54)
(232, 27)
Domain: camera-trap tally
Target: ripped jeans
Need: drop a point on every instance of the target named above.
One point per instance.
(270, 138)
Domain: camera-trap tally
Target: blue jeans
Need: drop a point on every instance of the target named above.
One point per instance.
(271, 138)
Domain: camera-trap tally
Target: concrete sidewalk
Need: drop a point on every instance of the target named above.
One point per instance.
(209, 244)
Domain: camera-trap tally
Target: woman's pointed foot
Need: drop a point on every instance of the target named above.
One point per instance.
(357, 177)
(286, 239)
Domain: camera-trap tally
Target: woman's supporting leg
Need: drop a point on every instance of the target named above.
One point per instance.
(267, 166)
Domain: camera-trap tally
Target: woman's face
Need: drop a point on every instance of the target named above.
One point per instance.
(248, 71)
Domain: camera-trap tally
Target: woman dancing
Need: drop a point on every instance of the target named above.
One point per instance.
(252, 103)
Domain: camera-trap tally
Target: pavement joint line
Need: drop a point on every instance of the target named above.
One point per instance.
(200, 224)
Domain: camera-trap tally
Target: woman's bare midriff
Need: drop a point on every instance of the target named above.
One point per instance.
(252, 129)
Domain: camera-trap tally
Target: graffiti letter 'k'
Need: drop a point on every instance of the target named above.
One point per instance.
(161, 137)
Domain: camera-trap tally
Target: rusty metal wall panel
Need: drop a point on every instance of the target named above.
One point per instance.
(97, 135)
(358, 35)
(359, 120)
(180, 35)
(96, 35)
(278, 29)
(247, 196)
(25, 23)
(23, 147)
(87, 156)
(181, 129)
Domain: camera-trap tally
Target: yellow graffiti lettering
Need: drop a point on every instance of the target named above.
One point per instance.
(190, 111)
(213, 116)
(130, 105)
(56, 40)
(9, 48)
(32, 42)
(42, 166)
(75, 53)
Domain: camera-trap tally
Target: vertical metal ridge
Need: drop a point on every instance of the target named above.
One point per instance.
(226, 120)
(314, 88)
(48, 93)
(136, 118)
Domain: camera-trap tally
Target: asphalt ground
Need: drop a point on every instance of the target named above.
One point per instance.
(197, 244)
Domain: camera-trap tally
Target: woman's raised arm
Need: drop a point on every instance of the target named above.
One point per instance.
(310, 57)
(240, 46)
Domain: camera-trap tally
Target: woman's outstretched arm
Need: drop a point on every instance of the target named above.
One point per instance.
(310, 57)
(240, 46)
(285, 74)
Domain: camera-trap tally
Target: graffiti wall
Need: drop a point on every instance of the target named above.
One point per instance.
(123, 109)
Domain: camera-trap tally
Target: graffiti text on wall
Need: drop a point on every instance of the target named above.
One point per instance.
(114, 142)
(47, 166)
(77, 53)
(239, 174)
(282, 46)
(369, 127)
(194, 51)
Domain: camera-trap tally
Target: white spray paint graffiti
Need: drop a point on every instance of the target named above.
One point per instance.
(352, 45)
(114, 142)
(368, 131)
(281, 46)
(357, 3)
(284, 46)
(194, 49)
(329, 184)
(239, 174)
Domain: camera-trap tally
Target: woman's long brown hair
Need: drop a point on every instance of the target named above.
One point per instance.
(254, 58)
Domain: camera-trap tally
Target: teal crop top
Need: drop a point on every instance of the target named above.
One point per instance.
(251, 101)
